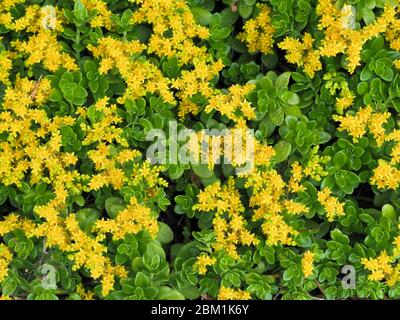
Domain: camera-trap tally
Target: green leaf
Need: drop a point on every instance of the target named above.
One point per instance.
(202, 171)
(113, 205)
(282, 81)
(8, 286)
(383, 68)
(340, 159)
(338, 236)
(167, 293)
(245, 10)
(142, 280)
(290, 98)
(389, 212)
(80, 92)
(201, 15)
(90, 66)
(87, 218)
(165, 234)
(56, 96)
(282, 151)
(80, 12)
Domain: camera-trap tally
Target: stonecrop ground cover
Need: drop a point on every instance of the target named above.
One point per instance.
(199, 149)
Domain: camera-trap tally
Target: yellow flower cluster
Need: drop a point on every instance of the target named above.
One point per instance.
(294, 184)
(263, 154)
(339, 37)
(332, 206)
(84, 294)
(105, 129)
(314, 168)
(131, 220)
(5, 66)
(278, 231)
(229, 223)
(140, 76)
(107, 161)
(5, 259)
(234, 104)
(237, 145)
(395, 153)
(23, 150)
(44, 48)
(346, 96)
(33, 152)
(103, 15)
(365, 119)
(393, 33)
(88, 252)
(302, 53)
(258, 32)
(386, 174)
(232, 294)
(35, 18)
(344, 101)
(143, 77)
(196, 81)
(270, 203)
(307, 263)
(381, 268)
(203, 261)
(174, 16)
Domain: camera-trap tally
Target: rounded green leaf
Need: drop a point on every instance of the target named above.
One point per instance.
(282, 151)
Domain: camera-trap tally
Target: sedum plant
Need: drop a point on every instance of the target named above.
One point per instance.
(100, 200)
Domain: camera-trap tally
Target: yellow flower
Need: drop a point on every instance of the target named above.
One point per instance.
(385, 176)
(302, 54)
(379, 266)
(258, 32)
(85, 295)
(332, 206)
(5, 259)
(232, 294)
(235, 100)
(44, 48)
(344, 101)
(203, 261)
(375, 126)
(5, 66)
(307, 263)
(338, 38)
(131, 220)
(295, 180)
(293, 207)
(278, 231)
(396, 244)
(355, 125)
(103, 15)
(229, 225)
